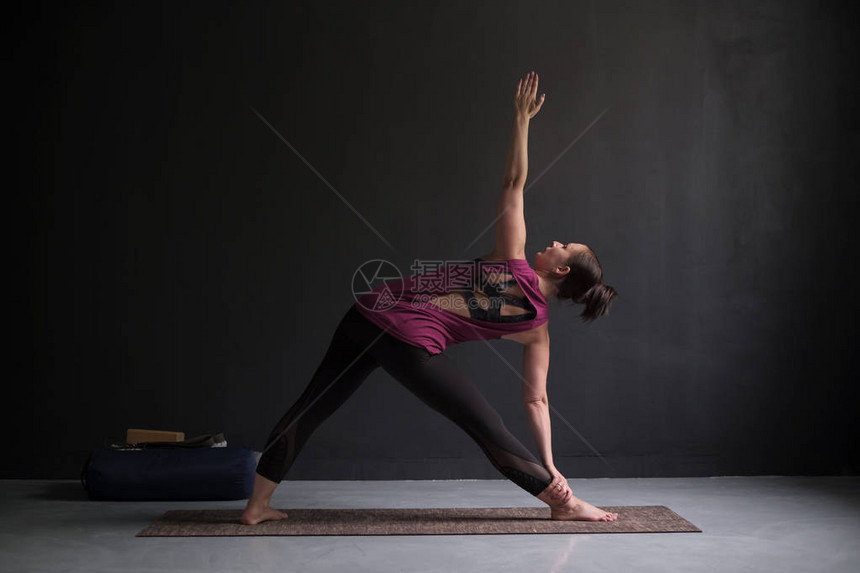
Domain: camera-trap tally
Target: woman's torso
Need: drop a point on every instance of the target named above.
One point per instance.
(465, 300)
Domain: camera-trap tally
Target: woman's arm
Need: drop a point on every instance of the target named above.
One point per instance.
(510, 222)
(535, 368)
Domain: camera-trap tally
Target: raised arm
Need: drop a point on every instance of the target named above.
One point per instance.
(510, 223)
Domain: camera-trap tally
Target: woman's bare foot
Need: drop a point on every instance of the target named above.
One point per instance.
(258, 509)
(577, 510)
(567, 507)
(255, 514)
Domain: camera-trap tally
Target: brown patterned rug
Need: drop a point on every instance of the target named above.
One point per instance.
(447, 521)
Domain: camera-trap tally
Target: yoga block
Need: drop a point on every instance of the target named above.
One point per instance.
(135, 436)
(170, 474)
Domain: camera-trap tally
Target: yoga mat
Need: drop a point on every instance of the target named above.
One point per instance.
(447, 521)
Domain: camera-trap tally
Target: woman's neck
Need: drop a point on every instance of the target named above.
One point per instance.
(547, 285)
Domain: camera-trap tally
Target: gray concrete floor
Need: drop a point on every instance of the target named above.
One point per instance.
(784, 524)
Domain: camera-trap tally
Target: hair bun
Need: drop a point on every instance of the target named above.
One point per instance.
(598, 300)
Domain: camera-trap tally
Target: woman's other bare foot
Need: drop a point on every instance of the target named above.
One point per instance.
(258, 509)
(255, 514)
(577, 510)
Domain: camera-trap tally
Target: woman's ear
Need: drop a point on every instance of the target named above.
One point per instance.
(561, 271)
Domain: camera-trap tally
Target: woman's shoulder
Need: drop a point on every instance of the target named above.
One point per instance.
(493, 257)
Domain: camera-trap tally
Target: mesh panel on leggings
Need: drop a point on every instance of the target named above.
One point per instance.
(283, 450)
(529, 475)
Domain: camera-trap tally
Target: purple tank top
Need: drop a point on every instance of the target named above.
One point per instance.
(458, 302)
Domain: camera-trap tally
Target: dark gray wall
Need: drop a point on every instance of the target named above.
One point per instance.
(178, 266)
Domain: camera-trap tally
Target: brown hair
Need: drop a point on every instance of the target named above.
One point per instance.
(584, 285)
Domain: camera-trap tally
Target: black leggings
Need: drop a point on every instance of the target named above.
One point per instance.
(357, 349)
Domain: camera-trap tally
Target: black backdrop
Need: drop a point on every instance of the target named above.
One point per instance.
(192, 175)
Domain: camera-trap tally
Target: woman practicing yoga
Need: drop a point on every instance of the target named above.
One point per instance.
(404, 326)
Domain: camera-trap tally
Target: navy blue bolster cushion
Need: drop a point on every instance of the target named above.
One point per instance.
(170, 474)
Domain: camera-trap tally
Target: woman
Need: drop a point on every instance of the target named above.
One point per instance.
(405, 326)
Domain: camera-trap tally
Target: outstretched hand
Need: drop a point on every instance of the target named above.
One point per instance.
(526, 100)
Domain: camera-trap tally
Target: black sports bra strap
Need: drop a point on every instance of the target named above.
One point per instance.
(494, 292)
(513, 300)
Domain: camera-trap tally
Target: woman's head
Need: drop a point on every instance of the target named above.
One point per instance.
(577, 276)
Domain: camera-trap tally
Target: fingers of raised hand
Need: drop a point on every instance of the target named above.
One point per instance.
(526, 93)
(526, 83)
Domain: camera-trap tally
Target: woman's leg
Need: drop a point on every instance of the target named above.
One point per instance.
(346, 364)
(442, 386)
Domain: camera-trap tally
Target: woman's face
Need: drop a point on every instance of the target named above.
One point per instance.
(556, 255)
